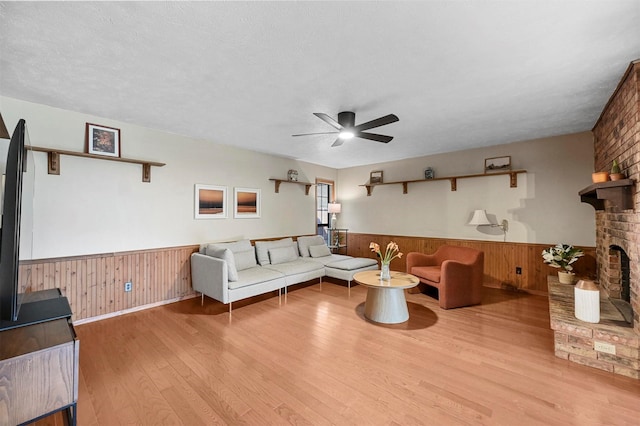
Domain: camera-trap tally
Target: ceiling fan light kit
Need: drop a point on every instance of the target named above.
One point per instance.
(346, 128)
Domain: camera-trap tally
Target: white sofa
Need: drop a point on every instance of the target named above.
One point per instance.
(233, 271)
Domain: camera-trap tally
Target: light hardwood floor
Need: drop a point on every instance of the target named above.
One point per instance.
(312, 358)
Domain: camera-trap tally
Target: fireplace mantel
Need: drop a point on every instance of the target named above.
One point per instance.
(619, 192)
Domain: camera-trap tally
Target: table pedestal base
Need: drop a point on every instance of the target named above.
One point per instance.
(386, 305)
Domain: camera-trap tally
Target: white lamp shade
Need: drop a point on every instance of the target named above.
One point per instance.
(479, 218)
(335, 207)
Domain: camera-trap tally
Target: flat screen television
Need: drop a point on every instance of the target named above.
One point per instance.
(10, 295)
(19, 306)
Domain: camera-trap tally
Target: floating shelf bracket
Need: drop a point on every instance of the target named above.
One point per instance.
(277, 182)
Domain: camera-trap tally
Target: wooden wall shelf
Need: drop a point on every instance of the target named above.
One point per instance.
(619, 192)
(307, 185)
(513, 180)
(53, 160)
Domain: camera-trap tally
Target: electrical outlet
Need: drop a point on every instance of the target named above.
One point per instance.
(607, 348)
(127, 286)
(518, 270)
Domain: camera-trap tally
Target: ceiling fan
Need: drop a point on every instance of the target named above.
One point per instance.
(347, 129)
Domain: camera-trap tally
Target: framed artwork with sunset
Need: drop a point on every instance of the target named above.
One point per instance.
(246, 203)
(210, 202)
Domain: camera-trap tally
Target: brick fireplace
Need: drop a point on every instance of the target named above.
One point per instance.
(613, 344)
(617, 136)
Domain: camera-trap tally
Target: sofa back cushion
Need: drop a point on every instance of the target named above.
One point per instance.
(319, 251)
(262, 248)
(245, 259)
(226, 255)
(235, 246)
(237, 254)
(279, 255)
(307, 241)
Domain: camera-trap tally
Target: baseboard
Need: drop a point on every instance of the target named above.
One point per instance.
(131, 310)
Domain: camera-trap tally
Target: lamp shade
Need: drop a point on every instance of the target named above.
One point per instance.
(335, 207)
(479, 218)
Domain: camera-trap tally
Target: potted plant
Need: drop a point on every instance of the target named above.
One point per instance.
(615, 171)
(562, 256)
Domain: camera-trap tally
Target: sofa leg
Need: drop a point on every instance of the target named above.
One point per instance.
(201, 299)
(230, 308)
(320, 283)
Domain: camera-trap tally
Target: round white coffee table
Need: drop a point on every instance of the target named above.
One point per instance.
(385, 301)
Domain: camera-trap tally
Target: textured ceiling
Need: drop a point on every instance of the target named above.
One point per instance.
(458, 74)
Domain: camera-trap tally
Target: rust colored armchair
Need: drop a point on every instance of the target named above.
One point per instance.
(455, 271)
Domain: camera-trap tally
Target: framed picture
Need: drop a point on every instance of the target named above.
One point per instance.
(246, 203)
(497, 164)
(376, 177)
(428, 173)
(210, 202)
(102, 140)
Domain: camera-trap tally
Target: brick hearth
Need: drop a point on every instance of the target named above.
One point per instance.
(575, 340)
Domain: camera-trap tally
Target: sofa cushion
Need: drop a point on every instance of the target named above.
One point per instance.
(235, 246)
(298, 266)
(431, 273)
(282, 255)
(319, 251)
(306, 241)
(226, 255)
(351, 264)
(262, 248)
(245, 259)
(254, 275)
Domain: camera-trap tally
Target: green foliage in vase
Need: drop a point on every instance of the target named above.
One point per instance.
(561, 256)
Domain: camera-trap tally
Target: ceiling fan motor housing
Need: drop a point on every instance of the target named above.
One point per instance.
(347, 119)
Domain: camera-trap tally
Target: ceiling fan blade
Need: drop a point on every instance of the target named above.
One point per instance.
(374, 137)
(338, 142)
(387, 119)
(327, 119)
(321, 133)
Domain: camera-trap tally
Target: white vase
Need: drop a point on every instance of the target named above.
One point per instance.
(566, 277)
(385, 272)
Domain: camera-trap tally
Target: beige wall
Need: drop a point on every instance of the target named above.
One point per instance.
(544, 208)
(102, 206)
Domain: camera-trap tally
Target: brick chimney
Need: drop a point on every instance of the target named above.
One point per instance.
(617, 137)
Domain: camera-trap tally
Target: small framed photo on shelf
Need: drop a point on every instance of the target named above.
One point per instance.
(375, 177)
(247, 203)
(211, 202)
(429, 173)
(102, 140)
(497, 164)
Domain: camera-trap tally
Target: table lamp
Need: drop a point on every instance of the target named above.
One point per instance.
(333, 209)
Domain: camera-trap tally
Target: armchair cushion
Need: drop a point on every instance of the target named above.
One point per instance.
(431, 273)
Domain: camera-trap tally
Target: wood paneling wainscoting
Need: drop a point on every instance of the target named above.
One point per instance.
(500, 258)
(94, 284)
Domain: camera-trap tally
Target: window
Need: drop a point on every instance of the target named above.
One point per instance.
(324, 195)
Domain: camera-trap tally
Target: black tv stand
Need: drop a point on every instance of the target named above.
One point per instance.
(40, 306)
